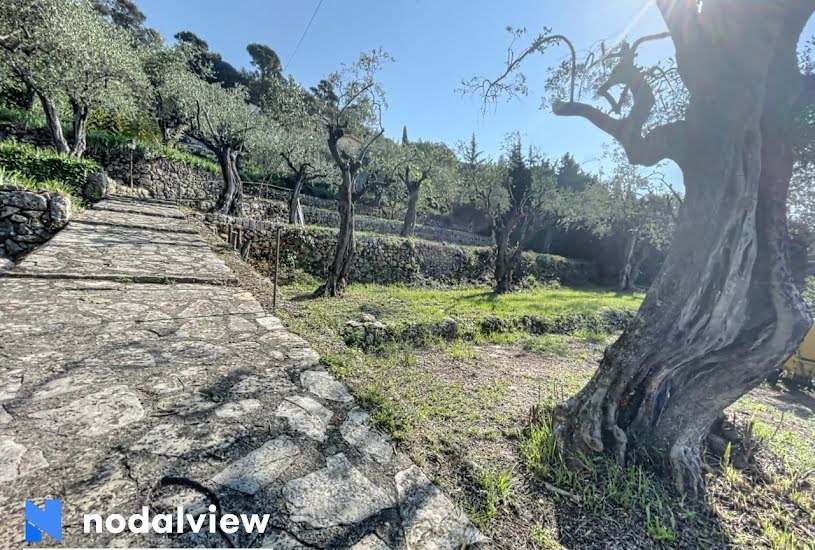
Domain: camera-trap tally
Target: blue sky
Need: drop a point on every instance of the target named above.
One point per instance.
(436, 44)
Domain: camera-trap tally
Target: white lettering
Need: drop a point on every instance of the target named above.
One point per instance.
(119, 520)
(143, 519)
(255, 523)
(97, 521)
(166, 528)
(229, 523)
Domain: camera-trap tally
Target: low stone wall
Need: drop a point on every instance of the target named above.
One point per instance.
(388, 259)
(367, 332)
(27, 220)
(270, 193)
(162, 177)
(277, 211)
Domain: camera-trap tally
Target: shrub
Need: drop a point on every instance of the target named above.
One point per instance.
(15, 179)
(21, 118)
(43, 165)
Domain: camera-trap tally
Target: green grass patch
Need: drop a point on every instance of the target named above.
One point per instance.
(51, 186)
(399, 303)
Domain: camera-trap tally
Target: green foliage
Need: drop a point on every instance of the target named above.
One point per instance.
(43, 165)
(21, 118)
(15, 179)
(100, 141)
(809, 292)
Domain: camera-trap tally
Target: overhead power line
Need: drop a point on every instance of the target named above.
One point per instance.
(297, 47)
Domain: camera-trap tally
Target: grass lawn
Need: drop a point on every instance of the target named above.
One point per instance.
(396, 303)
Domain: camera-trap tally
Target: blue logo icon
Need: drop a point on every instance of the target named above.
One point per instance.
(46, 520)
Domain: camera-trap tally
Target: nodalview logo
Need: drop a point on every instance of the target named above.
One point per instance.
(46, 520)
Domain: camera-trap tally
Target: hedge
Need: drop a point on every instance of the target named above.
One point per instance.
(43, 165)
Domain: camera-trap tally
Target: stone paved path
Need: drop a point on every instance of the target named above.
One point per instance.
(127, 359)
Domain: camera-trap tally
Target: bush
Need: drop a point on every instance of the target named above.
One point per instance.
(43, 165)
(21, 118)
(15, 179)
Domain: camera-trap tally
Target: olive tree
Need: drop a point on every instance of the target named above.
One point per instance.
(63, 48)
(222, 120)
(512, 194)
(300, 144)
(29, 33)
(418, 165)
(351, 111)
(724, 311)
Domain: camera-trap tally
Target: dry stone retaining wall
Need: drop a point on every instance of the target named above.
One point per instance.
(277, 211)
(28, 219)
(388, 259)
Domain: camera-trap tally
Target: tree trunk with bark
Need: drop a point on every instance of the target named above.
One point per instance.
(346, 246)
(409, 225)
(232, 194)
(295, 213)
(723, 312)
(507, 259)
(627, 275)
(79, 127)
(54, 124)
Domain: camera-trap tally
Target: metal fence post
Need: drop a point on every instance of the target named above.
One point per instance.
(276, 263)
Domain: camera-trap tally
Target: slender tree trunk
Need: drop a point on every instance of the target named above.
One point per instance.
(409, 226)
(503, 262)
(548, 234)
(80, 127)
(346, 248)
(625, 281)
(295, 213)
(232, 194)
(54, 124)
(722, 314)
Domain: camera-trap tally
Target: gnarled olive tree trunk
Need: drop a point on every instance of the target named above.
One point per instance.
(80, 128)
(724, 312)
(54, 124)
(346, 246)
(232, 193)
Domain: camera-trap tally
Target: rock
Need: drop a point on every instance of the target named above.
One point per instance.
(238, 408)
(448, 327)
(178, 440)
(59, 210)
(260, 467)
(356, 431)
(96, 414)
(5, 265)
(429, 519)
(17, 218)
(8, 211)
(26, 200)
(367, 318)
(305, 415)
(323, 385)
(336, 495)
(17, 460)
(370, 542)
(5, 417)
(281, 540)
(96, 186)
